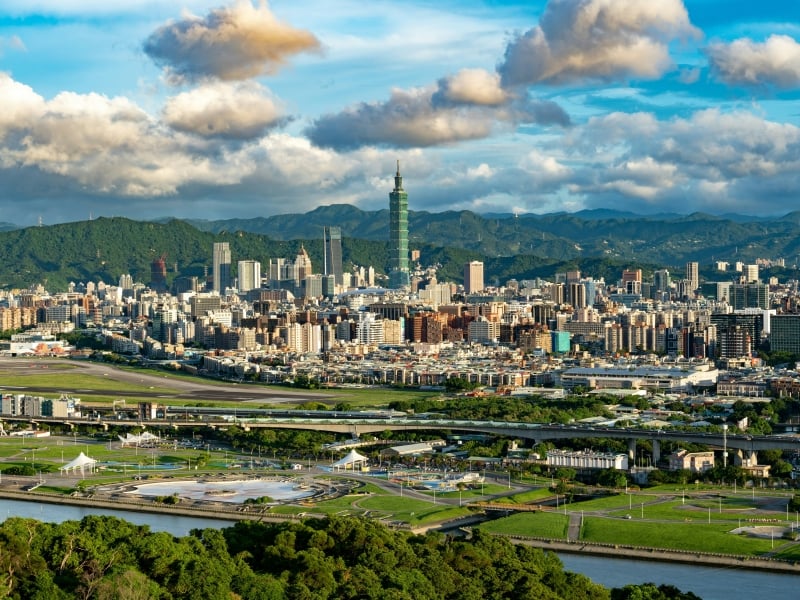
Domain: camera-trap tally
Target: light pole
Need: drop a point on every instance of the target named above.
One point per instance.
(725, 445)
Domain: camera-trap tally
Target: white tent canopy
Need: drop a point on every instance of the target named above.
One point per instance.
(350, 461)
(137, 440)
(81, 462)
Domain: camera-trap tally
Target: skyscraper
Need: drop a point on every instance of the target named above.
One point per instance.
(221, 266)
(693, 276)
(473, 277)
(398, 234)
(332, 240)
(249, 272)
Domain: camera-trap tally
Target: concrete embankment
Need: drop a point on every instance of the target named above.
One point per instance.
(657, 554)
(229, 514)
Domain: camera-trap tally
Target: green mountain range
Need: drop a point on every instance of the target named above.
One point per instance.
(600, 243)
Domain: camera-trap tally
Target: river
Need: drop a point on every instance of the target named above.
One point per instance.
(710, 583)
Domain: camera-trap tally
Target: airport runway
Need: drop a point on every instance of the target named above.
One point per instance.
(185, 389)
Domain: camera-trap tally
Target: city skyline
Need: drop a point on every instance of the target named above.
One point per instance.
(207, 109)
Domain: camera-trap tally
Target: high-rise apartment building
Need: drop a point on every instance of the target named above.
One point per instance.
(221, 266)
(750, 274)
(398, 234)
(473, 277)
(693, 276)
(632, 281)
(661, 280)
(158, 274)
(249, 274)
(332, 241)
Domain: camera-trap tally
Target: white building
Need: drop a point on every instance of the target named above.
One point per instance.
(249, 275)
(586, 459)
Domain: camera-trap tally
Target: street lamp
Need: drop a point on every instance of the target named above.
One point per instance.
(725, 445)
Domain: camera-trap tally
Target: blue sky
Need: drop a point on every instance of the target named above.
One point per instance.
(148, 108)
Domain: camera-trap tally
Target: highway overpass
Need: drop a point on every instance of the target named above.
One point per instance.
(745, 447)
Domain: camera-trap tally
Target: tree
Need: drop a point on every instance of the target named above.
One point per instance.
(612, 478)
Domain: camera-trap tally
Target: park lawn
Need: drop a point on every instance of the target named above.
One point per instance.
(613, 502)
(692, 537)
(691, 511)
(53, 489)
(437, 513)
(367, 488)
(474, 492)
(411, 510)
(538, 524)
(526, 497)
(790, 553)
(394, 504)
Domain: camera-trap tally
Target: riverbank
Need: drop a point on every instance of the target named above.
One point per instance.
(239, 513)
(658, 554)
(245, 513)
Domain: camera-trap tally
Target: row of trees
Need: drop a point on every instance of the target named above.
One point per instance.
(107, 558)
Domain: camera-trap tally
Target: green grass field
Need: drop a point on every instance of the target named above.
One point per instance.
(538, 524)
(67, 377)
(73, 382)
(699, 537)
(529, 497)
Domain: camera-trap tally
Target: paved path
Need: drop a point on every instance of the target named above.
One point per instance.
(574, 529)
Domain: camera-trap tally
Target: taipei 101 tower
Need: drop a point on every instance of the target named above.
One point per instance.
(398, 234)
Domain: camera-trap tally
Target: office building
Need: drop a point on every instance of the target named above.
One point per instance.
(303, 265)
(473, 277)
(249, 273)
(785, 333)
(398, 234)
(332, 241)
(749, 295)
(221, 267)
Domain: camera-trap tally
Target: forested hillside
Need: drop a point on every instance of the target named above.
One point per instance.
(659, 239)
(103, 249)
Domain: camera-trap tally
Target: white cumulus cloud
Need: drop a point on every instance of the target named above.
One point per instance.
(774, 62)
(579, 40)
(233, 110)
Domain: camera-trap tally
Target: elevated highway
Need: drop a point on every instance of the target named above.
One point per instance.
(745, 447)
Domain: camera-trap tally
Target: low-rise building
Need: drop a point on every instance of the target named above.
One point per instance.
(587, 459)
(696, 462)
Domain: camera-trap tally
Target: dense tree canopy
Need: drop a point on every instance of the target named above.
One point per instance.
(105, 558)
